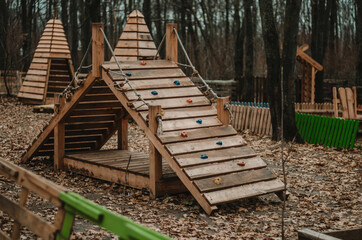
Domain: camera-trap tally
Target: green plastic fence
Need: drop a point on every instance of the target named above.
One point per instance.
(328, 131)
(123, 227)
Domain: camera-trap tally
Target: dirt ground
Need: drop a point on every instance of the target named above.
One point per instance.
(324, 185)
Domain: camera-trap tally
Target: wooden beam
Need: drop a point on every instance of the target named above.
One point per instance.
(46, 81)
(222, 113)
(123, 134)
(97, 48)
(155, 157)
(22, 202)
(312, 87)
(171, 43)
(354, 89)
(59, 136)
(335, 102)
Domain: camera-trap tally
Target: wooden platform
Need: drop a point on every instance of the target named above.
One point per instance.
(117, 166)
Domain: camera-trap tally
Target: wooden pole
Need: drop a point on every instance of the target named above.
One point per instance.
(155, 156)
(312, 87)
(97, 49)
(171, 43)
(123, 134)
(222, 113)
(335, 102)
(22, 202)
(59, 135)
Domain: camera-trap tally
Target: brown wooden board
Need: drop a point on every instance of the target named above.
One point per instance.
(195, 134)
(191, 159)
(173, 103)
(190, 123)
(207, 170)
(149, 74)
(165, 93)
(205, 145)
(181, 113)
(234, 179)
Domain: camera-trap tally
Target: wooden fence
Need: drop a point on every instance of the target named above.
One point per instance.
(13, 79)
(255, 116)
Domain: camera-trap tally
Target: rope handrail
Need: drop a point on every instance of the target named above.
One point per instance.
(159, 46)
(126, 81)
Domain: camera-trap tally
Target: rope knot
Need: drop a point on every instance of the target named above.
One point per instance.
(159, 127)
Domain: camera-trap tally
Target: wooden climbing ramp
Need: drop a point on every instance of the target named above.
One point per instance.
(51, 69)
(190, 137)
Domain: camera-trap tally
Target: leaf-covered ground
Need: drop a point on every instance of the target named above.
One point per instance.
(324, 186)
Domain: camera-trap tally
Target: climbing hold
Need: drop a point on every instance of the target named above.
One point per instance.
(176, 82)
(212, 100)
(204, 156)
(207, 92)
(218, 180)
(195, 72)
(189, 100)
(129, 74)
(241, 164)
(154, 92)
(183, 134)
(199, 121)
(162, 112)
(219, 143)
(143, 63)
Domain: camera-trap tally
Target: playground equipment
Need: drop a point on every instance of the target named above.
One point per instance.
(69, 205)
(347, 101)
(115, 91)
(310, 68)
(135, 42)
(51, 69)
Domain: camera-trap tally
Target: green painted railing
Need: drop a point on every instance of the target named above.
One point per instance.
(123, 227)
(328, 131)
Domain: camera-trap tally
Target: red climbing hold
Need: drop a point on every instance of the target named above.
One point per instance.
(241, 164)
(189, 100)
(183, 134)
(143, 63)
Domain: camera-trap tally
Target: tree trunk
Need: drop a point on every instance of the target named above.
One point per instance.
(359, 40)
(74, 31)
(147, 13)
(248, 86)
(239, 47)
(292, 11)
(271, 46)
(64, 16)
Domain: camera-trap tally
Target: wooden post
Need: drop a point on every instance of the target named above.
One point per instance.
(171, 43)
(335, 102)
(22, 202)
(123, 134)
(222, 113)
(155, 156)
(59, 136)
(312, 87)
(97, 49)
(354, 89)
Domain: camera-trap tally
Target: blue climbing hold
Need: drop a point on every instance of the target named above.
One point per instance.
(219, 143)
(199, 121)
(154, 92)
(204, 156)
(129, 74)
(177, 82)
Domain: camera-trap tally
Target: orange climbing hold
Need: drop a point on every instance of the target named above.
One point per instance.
(189, 100)
(143, 63)
(241, 164)
(183, 134)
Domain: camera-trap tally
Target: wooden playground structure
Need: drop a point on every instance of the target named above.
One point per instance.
(192, 144)
(51, 69)
(310, 68)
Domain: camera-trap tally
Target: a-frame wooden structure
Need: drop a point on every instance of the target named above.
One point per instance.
(51, 69)
(198, 149)
(310, 68)
(135, 42)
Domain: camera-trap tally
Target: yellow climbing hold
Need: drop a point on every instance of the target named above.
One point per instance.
(218, 180)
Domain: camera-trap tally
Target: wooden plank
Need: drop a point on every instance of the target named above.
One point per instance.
(126, 52)
(122, 138)
(343, 99)
(97, 48)
(234, 179)
(307, 234)
(196, 134)
(22, 202)
(350, 103)
(147, 52)
(149, 74)
(190, 123)
(28, 219)
(33, 90)
(222, 113)
(205, 145)
(173, 103)
(30, 95)
(136, 65)
(181, 113)
(244, 191)
(159, 83)
(220, 155)
(208, 170)
(4, 236)
(165, 93)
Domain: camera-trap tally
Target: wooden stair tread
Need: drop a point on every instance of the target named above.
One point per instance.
(165, 93)
(173, 103)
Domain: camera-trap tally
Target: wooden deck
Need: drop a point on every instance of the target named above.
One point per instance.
(121, 166)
